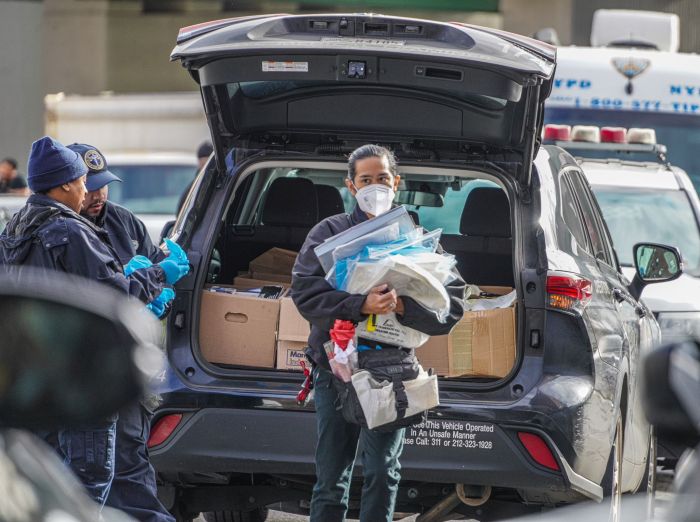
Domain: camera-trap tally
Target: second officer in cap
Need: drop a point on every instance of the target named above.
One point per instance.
(134, 489)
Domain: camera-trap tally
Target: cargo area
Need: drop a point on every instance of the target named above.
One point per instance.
(248, 319)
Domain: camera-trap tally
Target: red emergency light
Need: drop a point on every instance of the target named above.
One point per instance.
(557, 132)
(613, 135)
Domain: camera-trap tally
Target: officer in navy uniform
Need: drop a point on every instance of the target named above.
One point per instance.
(48, 234)
(134, 489)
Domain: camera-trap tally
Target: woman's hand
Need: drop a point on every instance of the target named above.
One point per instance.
(382, 300)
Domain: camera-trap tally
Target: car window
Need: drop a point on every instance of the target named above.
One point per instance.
(638, 215)
(446, 217)
(602, 250)
(150, 189)
(571, 215)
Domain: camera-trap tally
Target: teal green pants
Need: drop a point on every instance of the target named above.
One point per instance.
(335, 456)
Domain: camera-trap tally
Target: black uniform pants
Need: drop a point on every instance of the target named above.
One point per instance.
(134, 489)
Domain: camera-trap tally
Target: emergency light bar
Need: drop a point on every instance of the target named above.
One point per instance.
(590, 137)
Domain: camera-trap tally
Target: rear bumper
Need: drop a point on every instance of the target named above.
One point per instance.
(278, 442)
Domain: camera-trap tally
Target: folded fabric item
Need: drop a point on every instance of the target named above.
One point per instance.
(403, 275)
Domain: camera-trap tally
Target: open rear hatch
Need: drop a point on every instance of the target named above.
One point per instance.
(325, 83)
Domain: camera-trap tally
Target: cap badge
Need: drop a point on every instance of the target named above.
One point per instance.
(94, 160)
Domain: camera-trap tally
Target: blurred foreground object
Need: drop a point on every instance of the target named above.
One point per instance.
(72, 351)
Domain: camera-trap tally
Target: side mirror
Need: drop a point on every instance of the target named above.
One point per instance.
(671, 390)
(654, 264)
(72, 350)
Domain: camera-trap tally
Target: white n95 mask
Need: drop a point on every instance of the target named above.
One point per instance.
(375, 199)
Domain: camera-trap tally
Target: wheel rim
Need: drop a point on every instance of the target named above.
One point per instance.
(616, 492)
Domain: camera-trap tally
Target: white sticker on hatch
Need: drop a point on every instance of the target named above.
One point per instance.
(270, 66)
(451, 434)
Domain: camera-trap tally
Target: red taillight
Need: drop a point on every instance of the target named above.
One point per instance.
(613, 135)
(568, 291)
(538, 450)
(557, 132)
(163, 428)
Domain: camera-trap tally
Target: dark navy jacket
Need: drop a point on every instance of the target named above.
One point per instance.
(127, 233)
(321, 304)
(47, 234)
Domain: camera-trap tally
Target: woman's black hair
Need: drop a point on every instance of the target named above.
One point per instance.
(371, 151)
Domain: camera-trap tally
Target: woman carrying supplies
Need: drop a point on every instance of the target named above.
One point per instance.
(373, 180)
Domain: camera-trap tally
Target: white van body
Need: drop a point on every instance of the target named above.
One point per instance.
(621, 187)
(632, 86)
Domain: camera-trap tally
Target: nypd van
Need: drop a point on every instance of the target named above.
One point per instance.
(632, 79)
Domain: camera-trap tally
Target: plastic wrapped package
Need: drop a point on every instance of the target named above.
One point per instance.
(398, 215)
(386, 328)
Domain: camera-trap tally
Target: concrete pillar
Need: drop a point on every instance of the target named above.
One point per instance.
(75, 46)
(21, 107)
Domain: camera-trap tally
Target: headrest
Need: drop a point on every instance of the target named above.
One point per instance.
(330, 202)
(486, 213)
(291, 202)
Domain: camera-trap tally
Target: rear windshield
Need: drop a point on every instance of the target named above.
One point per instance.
(150, 189)
(446, 194)
(650, 216)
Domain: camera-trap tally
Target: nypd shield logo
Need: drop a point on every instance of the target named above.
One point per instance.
(94, 160)
(630, 67)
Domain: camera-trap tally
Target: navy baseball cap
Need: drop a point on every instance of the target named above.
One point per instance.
(98, 176)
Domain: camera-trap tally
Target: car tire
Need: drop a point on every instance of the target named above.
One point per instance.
(612, 480)
(257, 515)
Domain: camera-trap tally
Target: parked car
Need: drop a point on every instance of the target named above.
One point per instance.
(9, 204)
(645, 199)
(98, 363)
(288, 97)
(152, 185)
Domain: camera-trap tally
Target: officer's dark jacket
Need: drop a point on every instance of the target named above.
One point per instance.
(47, 234)
(127, 233)
(321, 304)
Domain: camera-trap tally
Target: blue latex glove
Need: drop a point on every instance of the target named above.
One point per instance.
(160, 304)
(176, 265)
(136, 263)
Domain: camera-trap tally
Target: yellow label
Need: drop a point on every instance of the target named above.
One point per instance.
(372, 323)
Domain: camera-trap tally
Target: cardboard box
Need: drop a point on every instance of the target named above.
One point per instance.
(289, 353)
(275, 261)
(292, 336)
(279, 278)
(245, 280)
(238, 329)
(482, 344)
